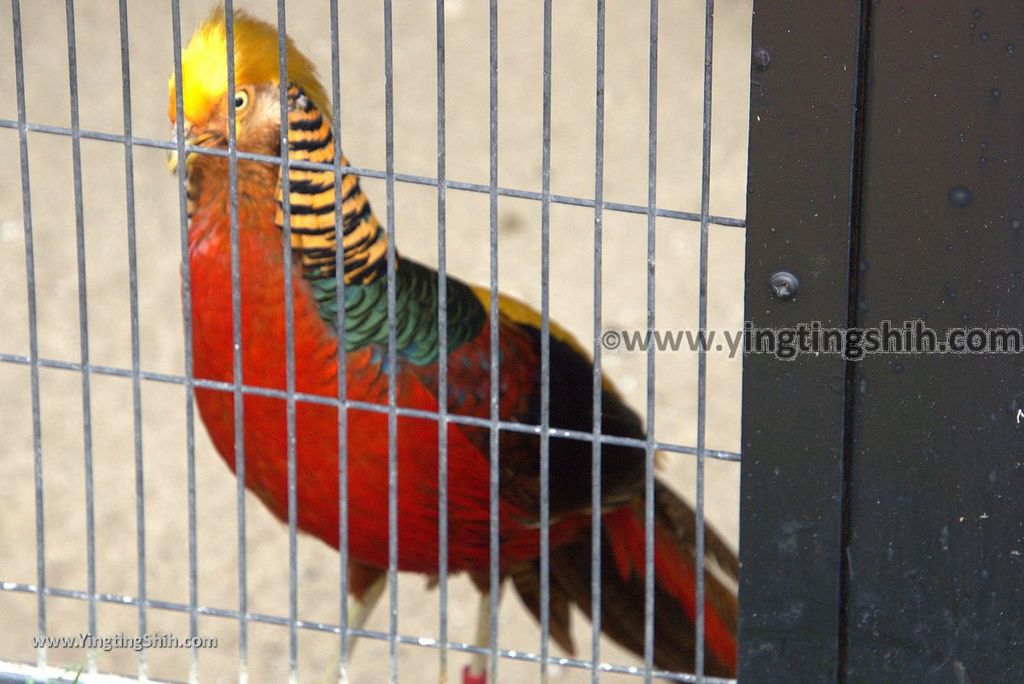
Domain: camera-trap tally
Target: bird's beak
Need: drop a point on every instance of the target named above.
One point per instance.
(172, 155)
(193, 138)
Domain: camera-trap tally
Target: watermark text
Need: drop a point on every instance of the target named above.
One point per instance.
(909, 337)
(121, 641)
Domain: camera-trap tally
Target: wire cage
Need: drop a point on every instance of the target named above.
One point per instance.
(562, 152)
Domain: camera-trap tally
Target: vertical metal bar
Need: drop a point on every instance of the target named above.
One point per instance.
(33, 337)
(652, 184)
(595, 471)
(133, 294)
(236, 340)
(186, 305)
(442, 355)
(389, 153)
(339, 271)
(289, 351)
(702, 359)
(83, 328)
(545, 353)
(495, 370)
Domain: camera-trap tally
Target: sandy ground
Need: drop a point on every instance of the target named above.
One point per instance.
(160, 345)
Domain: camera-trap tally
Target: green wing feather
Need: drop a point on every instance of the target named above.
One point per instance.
(416, 295)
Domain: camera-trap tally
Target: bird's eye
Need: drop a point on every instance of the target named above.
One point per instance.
(241, 100)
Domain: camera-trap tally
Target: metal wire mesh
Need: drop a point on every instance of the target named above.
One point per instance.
(141, 599)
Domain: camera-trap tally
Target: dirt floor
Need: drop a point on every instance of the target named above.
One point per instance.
(163, 425)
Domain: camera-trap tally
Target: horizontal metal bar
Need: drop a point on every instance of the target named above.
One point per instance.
(570, 200)
(23, 673)
(458, 419)
(281, 621)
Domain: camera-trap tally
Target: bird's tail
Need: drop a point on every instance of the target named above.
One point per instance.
(622, 586)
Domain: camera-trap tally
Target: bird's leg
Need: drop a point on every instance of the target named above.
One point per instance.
(366, 585)
(476, 671)
(359, 609)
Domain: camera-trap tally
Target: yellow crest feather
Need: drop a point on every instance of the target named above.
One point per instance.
(204, 69)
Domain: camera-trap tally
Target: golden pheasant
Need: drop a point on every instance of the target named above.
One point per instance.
(315, 234)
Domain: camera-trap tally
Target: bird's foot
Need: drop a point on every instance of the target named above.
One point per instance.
(469, 678)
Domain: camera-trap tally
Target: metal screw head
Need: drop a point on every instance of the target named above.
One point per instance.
(784, 284)
(761, 59)
(960, 196)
